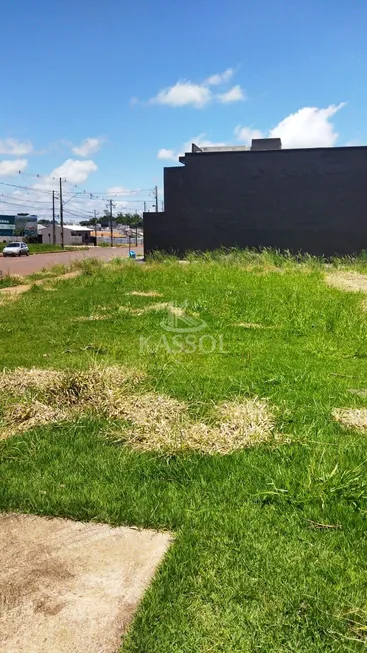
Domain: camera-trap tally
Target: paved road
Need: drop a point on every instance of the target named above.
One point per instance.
(37, 262)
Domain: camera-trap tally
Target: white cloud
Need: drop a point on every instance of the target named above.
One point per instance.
(235, 94)
(246, 134)
(9, 168)
(220, 78)
(199, 140)
(308, 127)
(15, 148)
(75, 171)
(187, 93)
(87, 147)
(184, 93)
(118, 190)
(167, 155)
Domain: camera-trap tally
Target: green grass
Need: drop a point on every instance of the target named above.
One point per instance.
(48, 273)
(8, 281)
(248, 570)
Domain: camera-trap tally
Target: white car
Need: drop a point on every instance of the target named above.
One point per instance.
(16, 249)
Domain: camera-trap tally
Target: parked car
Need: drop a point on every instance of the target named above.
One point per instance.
(16, 249)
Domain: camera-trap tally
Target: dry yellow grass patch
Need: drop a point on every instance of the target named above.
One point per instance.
(359, 392)
(151, 422)
(25, 416)
(155, 421)
(141, 293)
(37, 397)
(354, 418)
(93, 389)
(162, 424)
(253, 325)
(157, 306)
(91, 318)
(21, 379)
(176, 310)
(352, 281)
(13, 291)
(246, 422)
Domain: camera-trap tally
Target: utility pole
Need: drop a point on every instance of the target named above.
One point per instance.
(111, 226)
(156, 198)
(95, 224)
(53, 219)
(61, 216)
(145, 207)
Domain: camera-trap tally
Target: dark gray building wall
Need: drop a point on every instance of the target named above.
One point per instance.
(311, 200)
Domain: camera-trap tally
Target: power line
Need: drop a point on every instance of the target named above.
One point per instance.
(127, 191)
(21, 199)
(31, 188)
(92, 194)
(18, 204)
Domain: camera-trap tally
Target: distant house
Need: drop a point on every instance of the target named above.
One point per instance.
(73, 235)
(104, 236)
(120, 237)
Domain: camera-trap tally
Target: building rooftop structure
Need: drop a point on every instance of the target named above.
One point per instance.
(70, 227)
(257, 145)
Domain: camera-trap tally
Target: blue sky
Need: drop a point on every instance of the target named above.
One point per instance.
(106, 93)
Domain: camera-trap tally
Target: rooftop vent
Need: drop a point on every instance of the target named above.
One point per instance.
(266, 144)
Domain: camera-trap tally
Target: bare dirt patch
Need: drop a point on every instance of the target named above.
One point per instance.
(14, 291)
(71, 587)
(353, 418)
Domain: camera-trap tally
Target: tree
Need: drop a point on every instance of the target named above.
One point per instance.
(46, 223)
(86, 223)
(129, 219)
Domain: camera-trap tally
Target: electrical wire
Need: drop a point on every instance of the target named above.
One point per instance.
(29, 188)
(12, 197)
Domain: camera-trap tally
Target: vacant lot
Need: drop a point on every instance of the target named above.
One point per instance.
(212, 399)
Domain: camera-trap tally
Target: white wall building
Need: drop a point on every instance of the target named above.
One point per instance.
(73, 235)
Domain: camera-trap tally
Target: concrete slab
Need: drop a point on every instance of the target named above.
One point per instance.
(70, 587)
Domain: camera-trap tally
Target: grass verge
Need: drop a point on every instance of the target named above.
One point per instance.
(8, 281)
